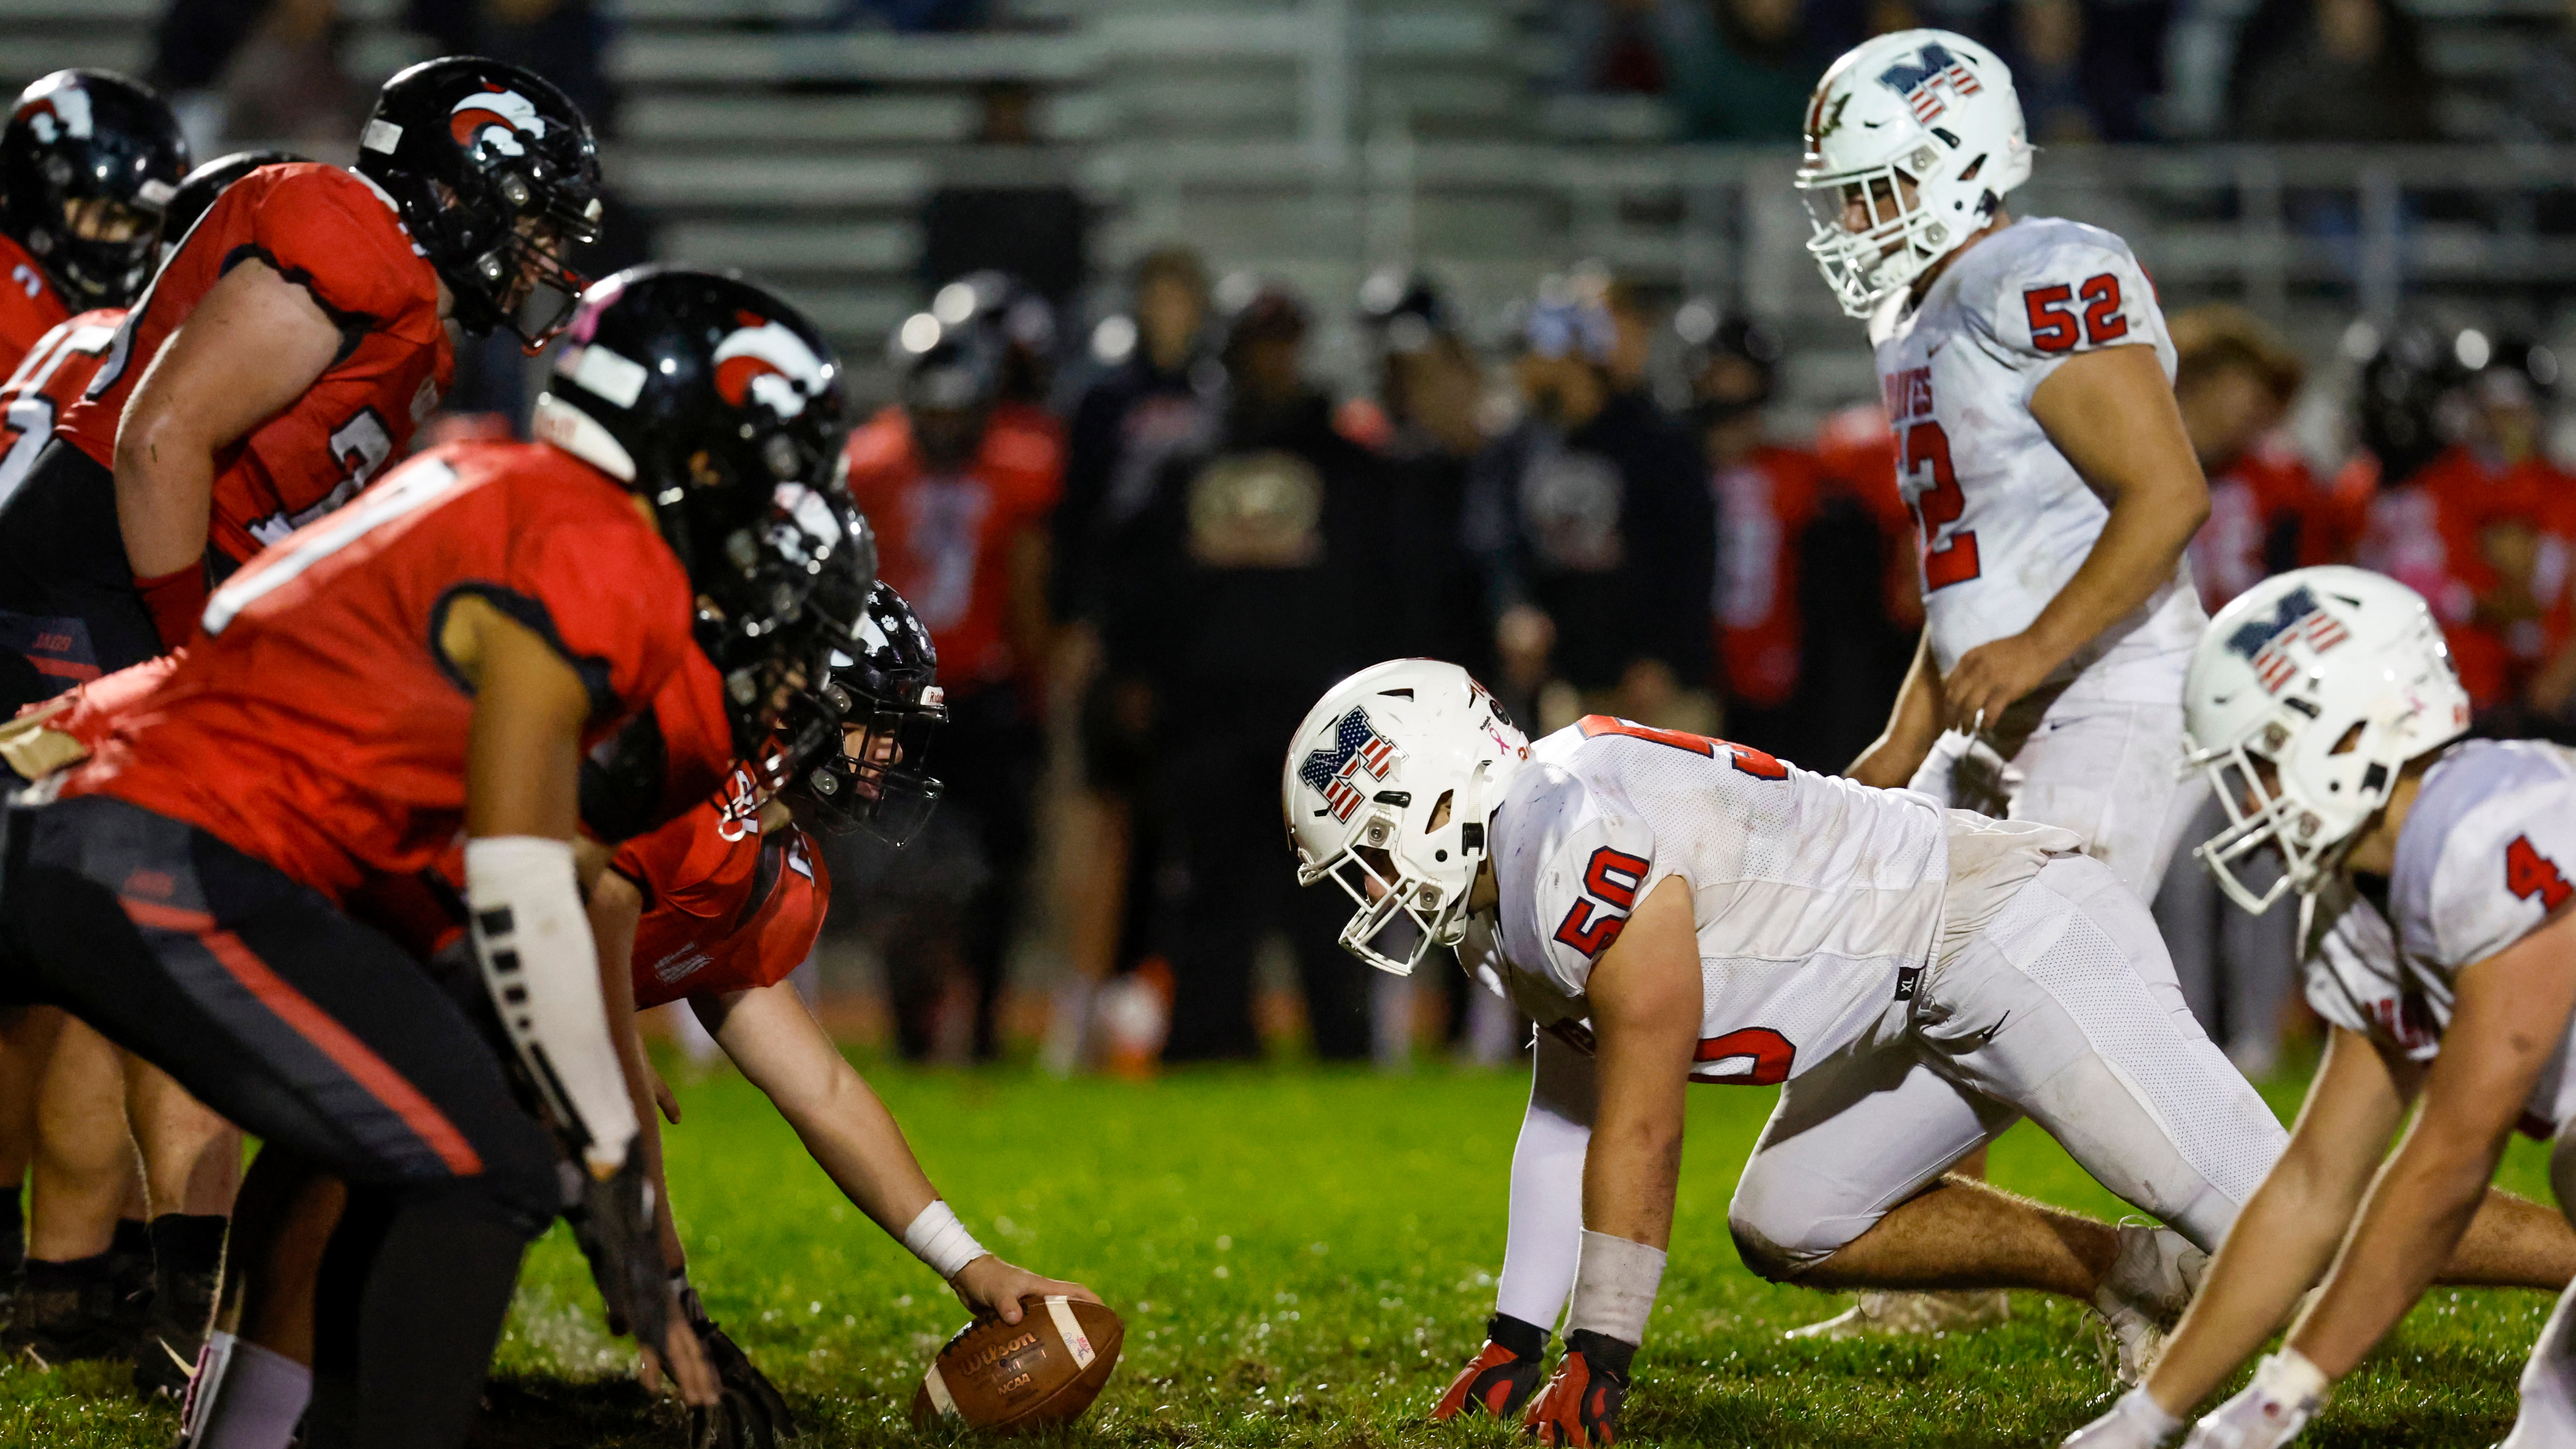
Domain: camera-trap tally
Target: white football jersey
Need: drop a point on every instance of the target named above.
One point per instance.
(2478, 868)
(1815, 898)
(2005, 520)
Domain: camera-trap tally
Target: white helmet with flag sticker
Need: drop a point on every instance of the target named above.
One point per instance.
(1389, 787)
(1913, 140)
(2305, 698)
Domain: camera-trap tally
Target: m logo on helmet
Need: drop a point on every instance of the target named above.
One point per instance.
(767, 363)
(1922, 80)
(59, 113)
(1333, 772)
(2298, 619)
(494, 117)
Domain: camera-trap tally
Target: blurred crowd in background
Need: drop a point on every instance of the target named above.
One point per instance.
(1146, 534)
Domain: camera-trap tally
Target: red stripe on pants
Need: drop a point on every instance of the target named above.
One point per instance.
(316, 1026)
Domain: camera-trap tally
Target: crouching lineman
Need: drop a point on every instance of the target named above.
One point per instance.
(1672, 909)
(716, 908)
(2431, 876)
(431, 660)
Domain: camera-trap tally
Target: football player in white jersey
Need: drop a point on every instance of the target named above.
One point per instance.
(1671, 909)
(2029, 379)
(2432, 882)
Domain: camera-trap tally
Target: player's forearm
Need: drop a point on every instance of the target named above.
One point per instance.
(2135, 555)
(164, 498)
(1632, 1167)
(1912, 725)
(2410, 1225)
(2277, 1250)
(858, 1144)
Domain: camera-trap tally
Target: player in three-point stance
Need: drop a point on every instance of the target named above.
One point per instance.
(1672, 909)
(2431, 873)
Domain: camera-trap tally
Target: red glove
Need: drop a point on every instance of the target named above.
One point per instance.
(1499, 1378)
(177, 601)
(1579, 1408)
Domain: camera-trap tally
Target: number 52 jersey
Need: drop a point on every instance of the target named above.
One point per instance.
(1812, 896)
(2005, 519)
(2482, 862)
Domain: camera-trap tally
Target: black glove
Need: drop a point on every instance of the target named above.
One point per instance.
(616, 1228)
(754, 1414)
(1498, 1380)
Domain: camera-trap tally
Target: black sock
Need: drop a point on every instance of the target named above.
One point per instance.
(187, 1243)
(13, 1231)
(46, 1276)
(132, 1237)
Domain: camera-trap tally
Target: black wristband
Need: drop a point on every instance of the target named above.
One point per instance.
(1606, 1355)
(1524, 1339)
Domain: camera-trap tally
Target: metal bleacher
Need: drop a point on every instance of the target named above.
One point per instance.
(1313, 141)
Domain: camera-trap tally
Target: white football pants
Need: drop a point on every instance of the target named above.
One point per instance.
(2548, 1416)
(2064, 1009)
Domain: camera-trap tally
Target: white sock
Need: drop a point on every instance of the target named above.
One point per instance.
(247, 1397)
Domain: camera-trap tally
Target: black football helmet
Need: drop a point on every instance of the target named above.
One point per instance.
(884, 680)
(721, 405)
(88, 163)
(198, 190)
(496, 174)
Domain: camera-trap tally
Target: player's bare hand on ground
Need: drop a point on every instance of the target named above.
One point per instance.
(682, 1362)
(1988, 678)
(991, 1287)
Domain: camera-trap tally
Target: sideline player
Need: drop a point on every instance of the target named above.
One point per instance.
(88, 159)
(715, 910)
(432, 659)
(1671, 908)
(2325, 711)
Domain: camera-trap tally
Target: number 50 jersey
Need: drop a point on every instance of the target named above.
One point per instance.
(1813, 896)
(2005, 519)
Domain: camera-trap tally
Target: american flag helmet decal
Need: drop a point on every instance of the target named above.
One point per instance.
(1356, 746)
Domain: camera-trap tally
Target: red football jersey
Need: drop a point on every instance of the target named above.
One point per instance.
(726, 908)
(29, 306)
(1763, 506)
(50, 377)
(315, 724)
(334, 234)
(945, 542)
(2248, 500)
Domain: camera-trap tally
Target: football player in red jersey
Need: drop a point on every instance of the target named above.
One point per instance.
(429, 661)
(284, 355)
(98, 1286)
(88, 159)
(717, 908)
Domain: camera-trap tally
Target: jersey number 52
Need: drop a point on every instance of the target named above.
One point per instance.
(1938, 504)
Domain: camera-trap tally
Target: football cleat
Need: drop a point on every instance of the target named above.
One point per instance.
(1500, 1378)
(1891, 1313)
(1579, 1408)
(2145, 1293)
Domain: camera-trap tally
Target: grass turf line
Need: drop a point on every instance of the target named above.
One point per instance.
(1303, 1257)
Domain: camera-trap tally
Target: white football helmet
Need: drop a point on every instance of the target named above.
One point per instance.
(1389, 784)
(1920, 111)
(2334, 677)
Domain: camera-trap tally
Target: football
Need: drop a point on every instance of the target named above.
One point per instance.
(1044, 1369)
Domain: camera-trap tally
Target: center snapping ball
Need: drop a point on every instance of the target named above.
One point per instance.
(1044, 1369)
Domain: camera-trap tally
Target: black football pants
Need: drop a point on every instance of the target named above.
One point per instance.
(321, 1037)
(68, 609)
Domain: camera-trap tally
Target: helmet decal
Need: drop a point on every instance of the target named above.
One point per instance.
(494, 117)
(768, 363)
(60, 112)
(1356, 746)
(1922, 80)
(2298, 618)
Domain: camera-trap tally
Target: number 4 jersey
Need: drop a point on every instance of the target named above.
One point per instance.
(2005, 519)
(1817, 902)
(2482, 862)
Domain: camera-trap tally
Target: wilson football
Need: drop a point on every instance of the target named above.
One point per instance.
(1044, 1369)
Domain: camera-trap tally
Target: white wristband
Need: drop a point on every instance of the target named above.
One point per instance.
(1614, 1287)
(2290, 1378)
(937, 1238)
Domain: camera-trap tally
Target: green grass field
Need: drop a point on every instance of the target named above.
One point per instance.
(1303, 1257)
